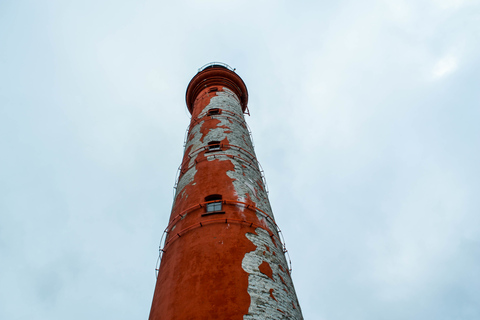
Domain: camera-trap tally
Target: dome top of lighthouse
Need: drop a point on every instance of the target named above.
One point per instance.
(216, 74)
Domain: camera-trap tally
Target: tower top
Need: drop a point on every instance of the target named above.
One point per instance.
(216, 73)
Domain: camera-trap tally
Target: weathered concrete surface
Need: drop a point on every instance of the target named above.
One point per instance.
(270, 288)
(228, 264)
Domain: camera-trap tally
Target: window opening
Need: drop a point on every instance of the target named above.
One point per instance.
(214, 146)
(213, 112)
(213, 89)
(214, 204)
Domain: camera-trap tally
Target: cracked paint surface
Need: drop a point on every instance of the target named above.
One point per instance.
(271, 288)
(227, 264)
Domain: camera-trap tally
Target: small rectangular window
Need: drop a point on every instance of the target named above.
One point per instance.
(214, 204)
(214, 146)
(213, 112)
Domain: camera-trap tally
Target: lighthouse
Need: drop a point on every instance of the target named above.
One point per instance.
(223, 255)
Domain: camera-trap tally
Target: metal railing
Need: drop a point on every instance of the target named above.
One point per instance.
(164, 242)
(251, 161)
(212, 64)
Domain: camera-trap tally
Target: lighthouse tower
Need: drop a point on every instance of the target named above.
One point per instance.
(223, 256)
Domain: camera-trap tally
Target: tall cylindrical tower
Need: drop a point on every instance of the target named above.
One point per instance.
(223, 257)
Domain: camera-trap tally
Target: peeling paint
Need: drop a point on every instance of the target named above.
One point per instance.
(222, 265)
(262, 307)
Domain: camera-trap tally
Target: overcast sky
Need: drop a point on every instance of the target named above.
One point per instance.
(365, 117)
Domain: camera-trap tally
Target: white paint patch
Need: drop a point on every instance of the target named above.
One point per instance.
(251, 188)
(262, 305)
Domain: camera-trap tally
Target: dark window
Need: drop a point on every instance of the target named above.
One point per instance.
(214, 146)
(214, 206)
(214, 203)
(213, 112)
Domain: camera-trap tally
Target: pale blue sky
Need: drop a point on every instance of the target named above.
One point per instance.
(365, 119)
